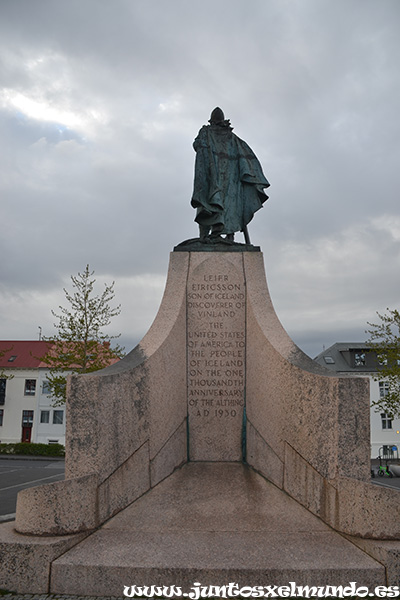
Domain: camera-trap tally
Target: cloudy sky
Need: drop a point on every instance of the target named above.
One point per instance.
(100, 102)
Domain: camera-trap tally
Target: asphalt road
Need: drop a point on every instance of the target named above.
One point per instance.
(393, 482)
(17, 474)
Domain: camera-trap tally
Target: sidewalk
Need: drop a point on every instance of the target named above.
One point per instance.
(56, 597)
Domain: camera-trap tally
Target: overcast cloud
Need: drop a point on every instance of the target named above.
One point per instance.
(100, 102)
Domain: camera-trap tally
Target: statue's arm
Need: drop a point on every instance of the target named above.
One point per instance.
(201, 140)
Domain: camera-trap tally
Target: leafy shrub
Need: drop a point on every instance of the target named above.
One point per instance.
(33, 449)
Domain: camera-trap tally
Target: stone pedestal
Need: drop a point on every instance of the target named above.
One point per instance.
(216, 380)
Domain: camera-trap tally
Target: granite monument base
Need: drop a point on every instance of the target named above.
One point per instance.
(213, 523)
(215, 389)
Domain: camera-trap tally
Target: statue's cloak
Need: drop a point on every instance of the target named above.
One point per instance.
(228, 181)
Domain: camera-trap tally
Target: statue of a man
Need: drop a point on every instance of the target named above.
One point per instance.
(228, 181)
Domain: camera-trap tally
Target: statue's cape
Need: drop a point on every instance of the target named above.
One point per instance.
(229, 182)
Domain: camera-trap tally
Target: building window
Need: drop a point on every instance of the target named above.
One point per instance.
(30, 387)
(46, 389)
(12, 358)
(359, 359)
(1, 416)
(386, 421)
(383, 388)
(45, 416)
(27, 417)
(58, 417)
(2, 391)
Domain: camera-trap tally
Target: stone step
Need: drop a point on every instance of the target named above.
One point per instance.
(212, 523)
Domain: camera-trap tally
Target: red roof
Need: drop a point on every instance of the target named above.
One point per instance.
(27, 354)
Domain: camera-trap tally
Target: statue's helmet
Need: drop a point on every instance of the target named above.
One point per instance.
(217, 116)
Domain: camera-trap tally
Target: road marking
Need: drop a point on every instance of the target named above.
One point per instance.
(386, 485)
(29, 482)
(7, 472)
(5, 518)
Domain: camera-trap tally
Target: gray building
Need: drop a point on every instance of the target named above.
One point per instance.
(355, 358)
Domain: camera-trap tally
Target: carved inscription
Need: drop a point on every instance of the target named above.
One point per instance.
(216, 364)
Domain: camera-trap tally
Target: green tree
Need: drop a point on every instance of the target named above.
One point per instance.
(2, 372)
(80, 344)
(384, 340)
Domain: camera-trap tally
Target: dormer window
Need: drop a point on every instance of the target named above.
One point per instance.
(359, 359)
(12, 358)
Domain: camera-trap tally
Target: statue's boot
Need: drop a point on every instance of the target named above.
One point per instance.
(204, 231)
(216, 230)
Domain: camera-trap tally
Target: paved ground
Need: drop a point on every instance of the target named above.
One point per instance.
(19, 473)
(392, 482)
(387, 482)
(55, 597)
(62, 597)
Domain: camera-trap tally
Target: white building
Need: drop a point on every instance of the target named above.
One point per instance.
(26, 411)
(355, 358)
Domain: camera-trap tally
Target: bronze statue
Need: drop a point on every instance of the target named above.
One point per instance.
(228, 181)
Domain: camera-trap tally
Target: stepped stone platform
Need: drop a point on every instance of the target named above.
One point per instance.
(212, 523)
